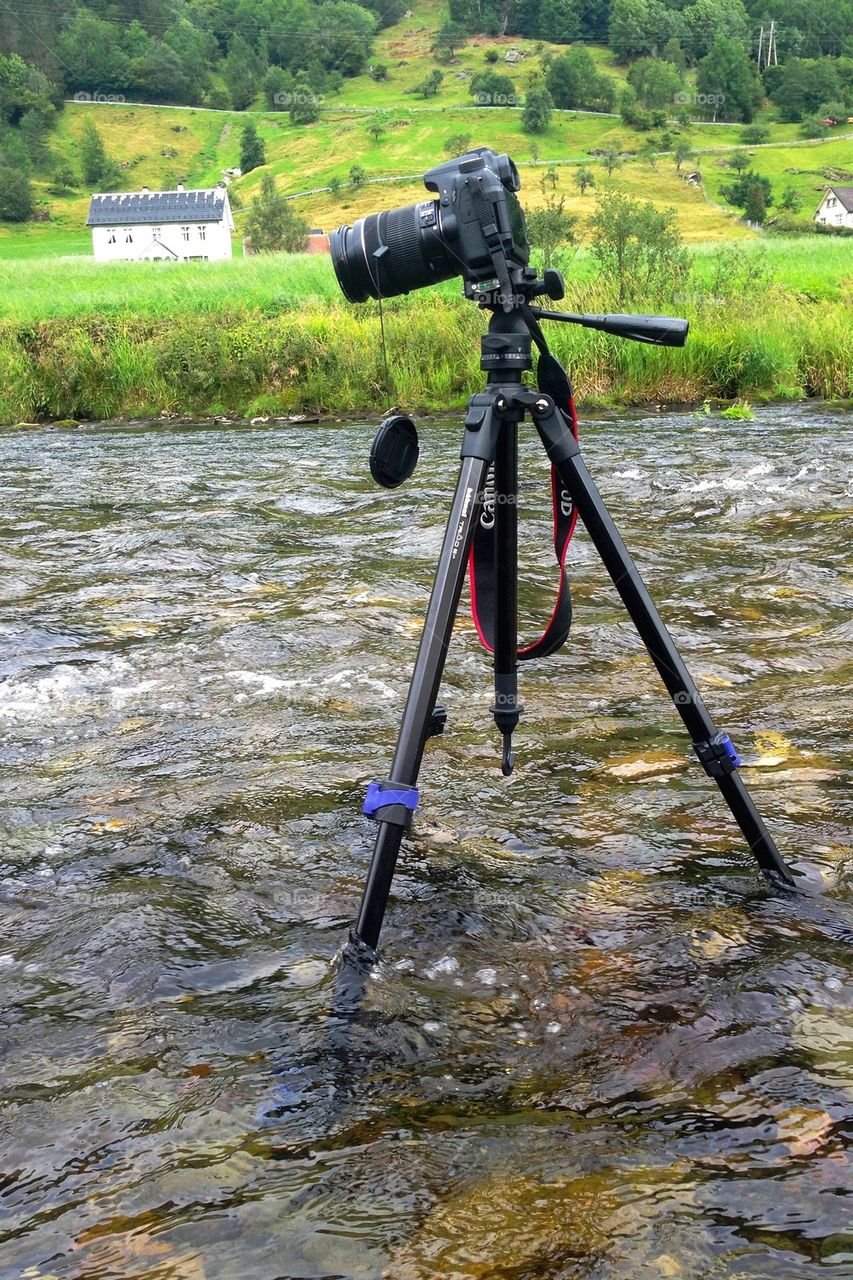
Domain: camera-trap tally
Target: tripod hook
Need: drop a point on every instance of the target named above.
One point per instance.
(507, 754)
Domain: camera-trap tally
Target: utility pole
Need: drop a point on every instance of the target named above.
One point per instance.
(767, 47)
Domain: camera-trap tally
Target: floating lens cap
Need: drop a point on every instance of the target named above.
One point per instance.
(394, 455)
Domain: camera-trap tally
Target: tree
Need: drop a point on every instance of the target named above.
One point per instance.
(683, 151)
(16, 195)
(575, 83)
(559, 20)
(584, 178)
(638, 27)
(656, 83)
(242, 73)
(754, 134)
(802, 84)
(538, 105)
(64, 180)
(335, 187)
(272, 224)
(430, 86)
(739, 161)
(550, 227)
(638, 248)
(674, 53)
(377, 126)
(160, 76)
(357, 176)
(756, 207)
(277, 86)
(97, 169)
(448, 40)
(790, 200)
(738, 192)
(305, 104)
(252, 150)
(611, 159)
(491, 89)
(91, 57)
(707, 21)
(727, 81)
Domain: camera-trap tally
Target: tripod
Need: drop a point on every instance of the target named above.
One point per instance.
(491, 439)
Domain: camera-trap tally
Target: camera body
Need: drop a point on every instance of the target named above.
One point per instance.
(475, 217)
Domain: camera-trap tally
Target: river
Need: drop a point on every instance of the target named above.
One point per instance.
(598, 1045)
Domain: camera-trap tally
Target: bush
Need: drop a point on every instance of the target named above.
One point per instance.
(492, 55)
(813, 127)
(491, 89)
(754, 134)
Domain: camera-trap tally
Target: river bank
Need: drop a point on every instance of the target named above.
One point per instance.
(326, 358)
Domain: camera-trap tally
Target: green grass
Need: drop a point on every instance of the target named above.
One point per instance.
(271, 335)
(814, 267)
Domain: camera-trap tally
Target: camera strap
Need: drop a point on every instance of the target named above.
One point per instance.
(554, 381)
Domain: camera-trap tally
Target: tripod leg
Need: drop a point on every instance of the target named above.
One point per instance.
(429, 665)
(507, 709)
(714, 749)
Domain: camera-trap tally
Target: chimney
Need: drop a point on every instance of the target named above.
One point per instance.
(181, 186)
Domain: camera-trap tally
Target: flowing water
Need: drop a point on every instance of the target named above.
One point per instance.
(598, 1045)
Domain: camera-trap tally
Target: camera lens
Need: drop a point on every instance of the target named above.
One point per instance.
(389, 253)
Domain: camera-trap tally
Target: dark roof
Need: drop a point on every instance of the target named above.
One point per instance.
(133, 207)
(845, 195)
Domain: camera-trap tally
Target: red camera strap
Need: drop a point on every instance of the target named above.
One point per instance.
(481, 562)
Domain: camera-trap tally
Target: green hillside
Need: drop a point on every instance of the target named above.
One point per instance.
(158, 146)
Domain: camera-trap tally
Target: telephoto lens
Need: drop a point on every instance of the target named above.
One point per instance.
(389, 253)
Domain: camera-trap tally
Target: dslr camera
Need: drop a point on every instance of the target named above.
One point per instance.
(474, 219)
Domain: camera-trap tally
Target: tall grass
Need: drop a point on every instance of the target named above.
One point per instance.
(327, 357)
(73, 287)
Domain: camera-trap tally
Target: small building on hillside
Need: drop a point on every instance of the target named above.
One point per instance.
(144, 226)
(836, 207)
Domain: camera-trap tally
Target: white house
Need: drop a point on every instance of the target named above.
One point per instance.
(147, 225)
(836, 207)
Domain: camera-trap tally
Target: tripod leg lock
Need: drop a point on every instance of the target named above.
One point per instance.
(391, 802)
(718, 756)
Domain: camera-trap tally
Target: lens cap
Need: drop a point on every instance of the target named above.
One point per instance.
(394, 455)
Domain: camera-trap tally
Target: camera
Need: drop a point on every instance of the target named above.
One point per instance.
(475, 215)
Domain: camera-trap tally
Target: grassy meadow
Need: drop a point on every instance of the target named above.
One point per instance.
(272, 335)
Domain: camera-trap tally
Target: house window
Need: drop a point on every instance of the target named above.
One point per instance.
(202, 233)
(185, 233)
(157, 232)
(111, 235)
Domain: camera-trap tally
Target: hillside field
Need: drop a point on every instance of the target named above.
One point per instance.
(159, 146)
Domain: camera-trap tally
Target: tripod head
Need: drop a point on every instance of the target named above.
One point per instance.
(659, 331)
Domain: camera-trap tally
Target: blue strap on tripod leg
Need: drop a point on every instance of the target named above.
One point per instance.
(388, 802)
